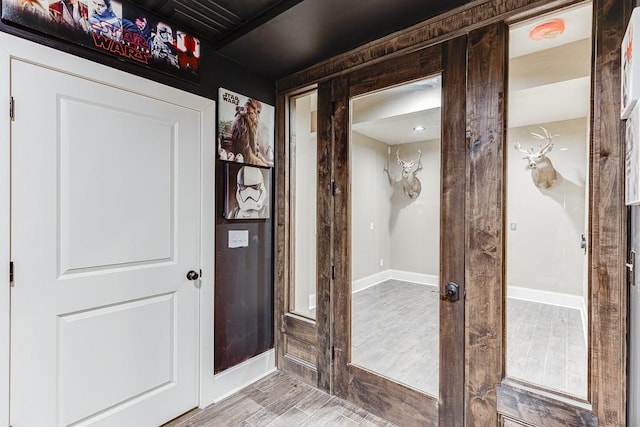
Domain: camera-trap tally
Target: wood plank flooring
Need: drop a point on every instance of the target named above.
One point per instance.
(279, 400)
(395, 334)
(546, 346)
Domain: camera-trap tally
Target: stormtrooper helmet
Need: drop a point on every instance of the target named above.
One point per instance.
(251, 192)
(164, 32)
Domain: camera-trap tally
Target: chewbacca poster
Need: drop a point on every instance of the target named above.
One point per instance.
(245, 129)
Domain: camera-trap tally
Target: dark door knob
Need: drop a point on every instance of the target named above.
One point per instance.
(193, 275)
(452, 292)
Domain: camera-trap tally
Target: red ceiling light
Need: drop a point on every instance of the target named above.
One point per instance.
(547, 30)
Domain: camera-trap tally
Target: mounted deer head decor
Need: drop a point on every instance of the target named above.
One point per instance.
(543, 174)
(410, 183)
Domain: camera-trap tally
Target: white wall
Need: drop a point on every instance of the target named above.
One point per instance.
(406, 233)
(370, 193)
(306, 172)
(543, 252)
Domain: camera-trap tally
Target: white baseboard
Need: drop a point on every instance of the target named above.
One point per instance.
(575, 302)
(238, 377)
(369, 281)
(546, 297)
(409, 276)
(405, 276)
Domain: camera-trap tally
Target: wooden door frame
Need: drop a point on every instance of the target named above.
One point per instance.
(490, 400)
(303, 345)
(405, 405)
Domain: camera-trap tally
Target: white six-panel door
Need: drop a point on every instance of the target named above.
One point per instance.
(105, 222)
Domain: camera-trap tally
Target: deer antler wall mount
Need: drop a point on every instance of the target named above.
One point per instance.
(410, 183)
(543, 174)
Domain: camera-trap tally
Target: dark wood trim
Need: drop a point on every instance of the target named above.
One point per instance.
(397, 403)
(541, 410)
(449, 25)
(452, 249)
(342, 238)
(608, 299)
(484, 206)
(281, 227)
(486, 76)
(290, 328)
(324, 285)
(390, 400)
(301, 328)
(396, 70)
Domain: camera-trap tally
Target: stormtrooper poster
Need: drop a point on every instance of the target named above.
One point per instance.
(247, 192)
(116, 27)
(245, 129)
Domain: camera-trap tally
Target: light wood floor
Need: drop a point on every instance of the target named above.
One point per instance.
(279, 400)
(395, 334)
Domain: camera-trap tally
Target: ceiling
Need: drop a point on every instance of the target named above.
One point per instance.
(549, 81)
(278, 37)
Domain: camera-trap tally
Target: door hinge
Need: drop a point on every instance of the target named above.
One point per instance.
(631, 267)
(333, 108)
(333, 272)
(12, 108)
(11, 273)
(333, 353)
(333, 188)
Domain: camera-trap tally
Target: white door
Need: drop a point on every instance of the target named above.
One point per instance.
(104, 228)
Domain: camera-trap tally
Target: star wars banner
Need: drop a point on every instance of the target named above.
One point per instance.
(118, 28)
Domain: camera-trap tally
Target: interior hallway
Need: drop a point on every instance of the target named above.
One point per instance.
(279, 400)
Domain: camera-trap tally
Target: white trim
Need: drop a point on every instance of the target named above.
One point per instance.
(545, 297)
(409, 276)
(207, 257)
(369, 281)
(575, 302)
(5, 213)
(312, 302)
(211, 388)
(238, 377)
(584, 313)
(405, 276)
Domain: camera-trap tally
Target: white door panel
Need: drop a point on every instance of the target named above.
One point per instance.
(97, 211)
(105, 225)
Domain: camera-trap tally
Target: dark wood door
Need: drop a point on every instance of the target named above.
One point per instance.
(395, 398)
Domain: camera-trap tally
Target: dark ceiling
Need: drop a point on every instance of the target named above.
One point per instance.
(279, 37)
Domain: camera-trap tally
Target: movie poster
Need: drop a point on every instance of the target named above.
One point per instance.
(247, 192)
(118, 28)
(245, 129)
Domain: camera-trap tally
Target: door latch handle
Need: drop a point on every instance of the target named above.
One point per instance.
(451, 292)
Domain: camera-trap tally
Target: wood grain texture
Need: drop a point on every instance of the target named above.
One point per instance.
(390, 400)
(452, 222)
(342, 238)
(484, 258)
(418, 64)
(449, 25)
(608, 220)
(324, 284)
(302, 362)
(484, 213)
(281, 226)
(395, 402)
(541, 411)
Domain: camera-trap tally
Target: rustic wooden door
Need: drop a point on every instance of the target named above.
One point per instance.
(398, 236)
